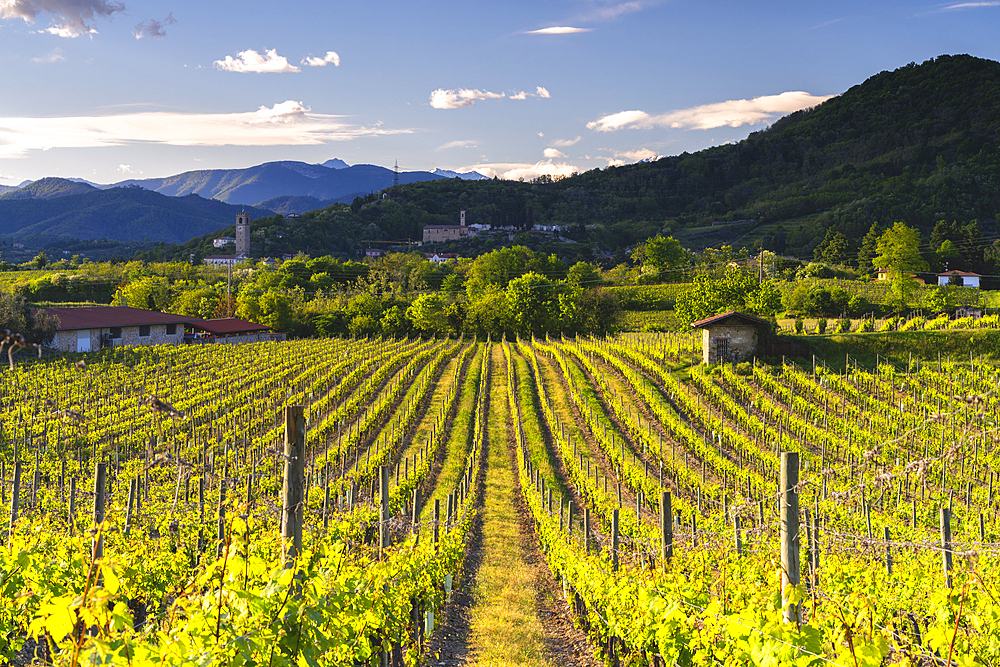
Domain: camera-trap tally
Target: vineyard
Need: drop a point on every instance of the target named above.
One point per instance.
(315, 502)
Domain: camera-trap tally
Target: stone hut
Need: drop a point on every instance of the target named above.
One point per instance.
(729, 337)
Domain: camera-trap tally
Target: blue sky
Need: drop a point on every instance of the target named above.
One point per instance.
(108, 90)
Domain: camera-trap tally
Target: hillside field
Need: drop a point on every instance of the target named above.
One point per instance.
(563, 501)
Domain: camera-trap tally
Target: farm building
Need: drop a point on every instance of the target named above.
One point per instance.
(886, 275)
(229, 330)
(974, 312)
(729, 337)
(960, 278)
(91, 328)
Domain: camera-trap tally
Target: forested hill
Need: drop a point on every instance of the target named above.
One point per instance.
(60, 208)
(918, 144)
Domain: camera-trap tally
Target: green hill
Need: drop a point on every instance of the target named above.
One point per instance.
(121, 214)
(917, 144)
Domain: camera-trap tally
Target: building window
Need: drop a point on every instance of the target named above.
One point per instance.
(116, 332)
(171, 329)
(143, 331)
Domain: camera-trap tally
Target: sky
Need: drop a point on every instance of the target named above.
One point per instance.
(107, 90)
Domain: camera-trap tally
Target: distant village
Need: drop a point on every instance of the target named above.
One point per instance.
(431, 234)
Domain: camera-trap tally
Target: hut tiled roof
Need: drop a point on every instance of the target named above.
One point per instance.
(718, 319)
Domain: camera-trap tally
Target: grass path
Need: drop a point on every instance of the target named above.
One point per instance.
(505, 630)
(509, 610)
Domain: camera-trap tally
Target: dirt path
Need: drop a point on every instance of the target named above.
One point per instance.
(507, 608)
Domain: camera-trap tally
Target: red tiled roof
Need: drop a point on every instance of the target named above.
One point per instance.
(103, 317)
(228, 325)
(955, 272)
(717, 319)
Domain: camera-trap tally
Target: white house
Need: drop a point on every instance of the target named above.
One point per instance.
(440, 258)
(961, 278)
(224, 260)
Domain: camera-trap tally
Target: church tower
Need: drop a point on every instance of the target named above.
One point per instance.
(243, 234)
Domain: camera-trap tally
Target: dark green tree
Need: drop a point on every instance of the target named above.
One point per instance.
(869, 249)
(835, 248)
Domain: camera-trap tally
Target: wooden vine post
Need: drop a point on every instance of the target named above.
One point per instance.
(946, 544)
(666, 528)
(614, 540)
(789, 534)
(100, 486)
(383, 512)
(15, 496)
(291, 488)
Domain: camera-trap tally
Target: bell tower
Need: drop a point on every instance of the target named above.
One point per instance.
(243, 233)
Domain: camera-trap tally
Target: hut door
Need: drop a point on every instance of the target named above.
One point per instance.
(721, 349)
(83, 340)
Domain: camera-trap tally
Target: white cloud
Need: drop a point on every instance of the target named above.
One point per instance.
(66, 30)
(553, 153)
(969, 5)
(514, 171)
(732, 113)
(617, 121)
(563, 143)
(609, 11)
(464, 143)
(288, 111)
(330, 57)
(288, 123)
(557, 30)
(154, 27)
(71, 17)
(463, 97)
(628, 157)
(125, 168)
(251, 61)
(53, 56)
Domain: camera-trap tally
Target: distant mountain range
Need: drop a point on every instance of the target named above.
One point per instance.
(467, 176)
(59, 207)
(177, 208)
(322, 184)
(292, 187)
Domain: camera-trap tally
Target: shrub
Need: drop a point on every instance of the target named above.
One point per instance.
(890, 324)
(866, 326)
(800, 325)
(858, 305)
(821, 326)
(961, 323)
(939, 322)
(913, 324)
(843, 326)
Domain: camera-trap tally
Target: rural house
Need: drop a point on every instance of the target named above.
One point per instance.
(94, 327)
(229, 330)
(729, 337)
(91, 328)
(960, 278)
